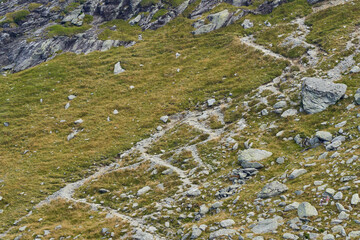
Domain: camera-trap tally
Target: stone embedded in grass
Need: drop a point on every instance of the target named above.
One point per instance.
(297, 172)
(211, 102)
(193, 192)
(103, 190)
(227, 223)
(355, 69)
(115, 112)
(292, 206)
(72, 135)
(67, 105)
(247, 24)
(272, 189)
(222, 233)
(318, 94)
(253, 155)
(280, 104)
(71, 97)
(357, 96)
(355, 199)
(289, 113)
(267, 225)
(79, 121)
(305, 209)
(143, 190)
(6, 124)
(324, 136)
(164, 119)
(118, 69)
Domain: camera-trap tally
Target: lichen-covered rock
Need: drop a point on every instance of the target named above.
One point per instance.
(317, 94)
(305, 209)
(252, 155)
(272, 189)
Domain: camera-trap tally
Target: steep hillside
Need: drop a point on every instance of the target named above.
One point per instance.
(183, 120)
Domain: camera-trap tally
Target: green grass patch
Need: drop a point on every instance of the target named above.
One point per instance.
(61, 30)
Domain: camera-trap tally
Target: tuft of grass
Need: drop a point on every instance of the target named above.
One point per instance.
(124, 31)
(60, 30)
(34, 6)
(159, 13)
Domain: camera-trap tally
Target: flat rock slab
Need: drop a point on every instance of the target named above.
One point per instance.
(267, 225)
(272, 189)
(253, 155)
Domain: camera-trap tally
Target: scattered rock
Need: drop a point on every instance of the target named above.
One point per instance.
(272, 189)
(289, 113)
(305, 210)
(252, 155)
(267, 225)
(227, 223)
(247, 24)
(296, 173)
(164, 119)
(324, 136)
(143, 190)
(118, 69)
(222, 232)
(357, 96)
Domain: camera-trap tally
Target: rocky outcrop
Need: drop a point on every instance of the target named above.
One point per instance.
(318, 94)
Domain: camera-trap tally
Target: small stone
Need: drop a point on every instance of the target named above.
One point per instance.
(79, 121)
(164, 119)
(67, 105)
(193, 192)
(247, 24)
(355, 199)
(296, 173)
(71, 97)
(227, 223)
(118, 69)
(280, 160)
(143, 190)
(289, 113)
(211, 102)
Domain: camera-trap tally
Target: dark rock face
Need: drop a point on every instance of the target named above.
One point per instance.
(26, 44)
(314, 1)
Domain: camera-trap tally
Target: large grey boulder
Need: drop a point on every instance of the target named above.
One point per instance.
(317, 94)
(217, 20)
(305, 209)
(249, 158)
(272, 189)
(267, 225)
(357, 96)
